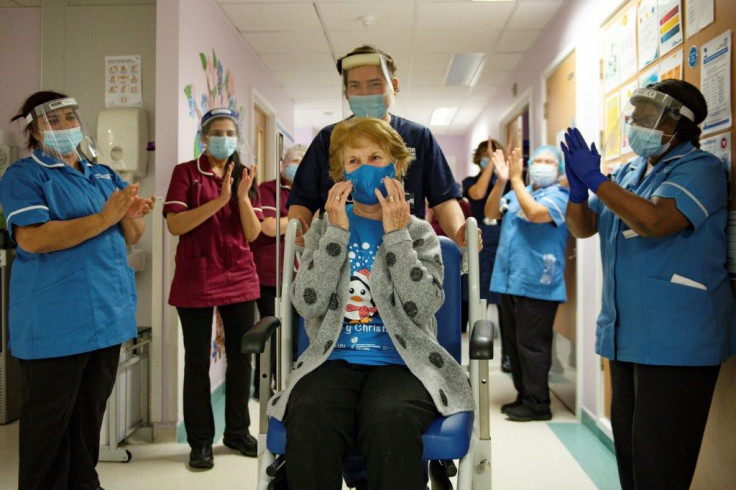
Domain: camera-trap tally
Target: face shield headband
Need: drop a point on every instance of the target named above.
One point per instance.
(60, 128)
(647, 108)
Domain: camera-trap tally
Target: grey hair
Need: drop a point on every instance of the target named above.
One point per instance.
(293, 151)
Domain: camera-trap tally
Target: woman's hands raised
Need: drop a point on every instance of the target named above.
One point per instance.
(394, 207)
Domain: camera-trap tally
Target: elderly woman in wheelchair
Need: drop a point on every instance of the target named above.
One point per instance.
(369, 284)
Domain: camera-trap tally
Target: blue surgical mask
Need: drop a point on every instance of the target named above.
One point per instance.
(221, 147)
(484, 162)
(290, 172)
(368, 105)
(366, 179)
(543, 175)
(646, 142)
(63, 141)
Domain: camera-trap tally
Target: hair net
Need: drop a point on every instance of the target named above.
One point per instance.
(554, 151)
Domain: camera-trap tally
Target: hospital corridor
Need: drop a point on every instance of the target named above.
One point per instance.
(370, 244)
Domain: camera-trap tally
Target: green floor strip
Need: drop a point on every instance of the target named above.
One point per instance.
(598, 462)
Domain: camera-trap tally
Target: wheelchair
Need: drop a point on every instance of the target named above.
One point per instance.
(463, 436)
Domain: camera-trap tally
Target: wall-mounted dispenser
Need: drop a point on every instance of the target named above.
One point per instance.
(122, 136)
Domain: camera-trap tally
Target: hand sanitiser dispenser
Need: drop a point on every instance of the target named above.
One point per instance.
(122, 136)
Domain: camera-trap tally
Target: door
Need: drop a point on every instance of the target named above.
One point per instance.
(260, 152)
(559, 113)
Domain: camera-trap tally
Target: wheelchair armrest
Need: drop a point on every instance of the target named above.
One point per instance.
(254, 340)
(481, 340)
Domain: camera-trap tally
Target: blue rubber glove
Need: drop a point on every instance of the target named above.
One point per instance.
(578, 190)
(585, 163)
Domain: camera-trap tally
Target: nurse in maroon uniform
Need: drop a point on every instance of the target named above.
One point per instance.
(211, 207)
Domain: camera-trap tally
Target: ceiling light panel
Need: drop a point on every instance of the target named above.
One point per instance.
(465, 69)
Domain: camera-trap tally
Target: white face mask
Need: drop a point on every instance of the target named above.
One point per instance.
(543, 175)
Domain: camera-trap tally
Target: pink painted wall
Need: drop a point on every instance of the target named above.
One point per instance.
(184, 29)
(20, 57)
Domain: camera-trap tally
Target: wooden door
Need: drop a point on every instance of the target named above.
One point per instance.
(559, 113)
(260, 152)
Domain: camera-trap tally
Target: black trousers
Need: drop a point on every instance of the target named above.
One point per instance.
(526, 325)
(196, 326)
(658, 416)
(64, 400)
(384, 410)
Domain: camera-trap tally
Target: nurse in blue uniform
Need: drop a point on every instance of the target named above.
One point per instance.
(529, 271)
(667, 308)
(72, 292)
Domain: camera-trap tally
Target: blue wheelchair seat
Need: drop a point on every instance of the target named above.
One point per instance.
(448, 437)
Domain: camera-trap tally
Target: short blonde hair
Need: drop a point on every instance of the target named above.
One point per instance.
(349, 132)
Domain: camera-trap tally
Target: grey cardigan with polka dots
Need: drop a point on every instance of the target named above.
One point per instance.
(406, 284)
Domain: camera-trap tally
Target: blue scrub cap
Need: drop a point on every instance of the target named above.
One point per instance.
(553, 150)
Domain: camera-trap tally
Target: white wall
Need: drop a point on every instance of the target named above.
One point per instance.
(20, 57)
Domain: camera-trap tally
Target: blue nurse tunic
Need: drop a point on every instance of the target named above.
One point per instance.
(75, 300)
(668, 301)
(530, 260)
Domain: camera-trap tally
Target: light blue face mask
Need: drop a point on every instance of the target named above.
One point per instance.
(221, 147)
(368, 105)
(646, 142)
(366, 179)
(543, 175)
(63, 141)
(290, 172)
(484, 162)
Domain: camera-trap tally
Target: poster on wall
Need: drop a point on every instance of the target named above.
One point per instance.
(670, 25)
(611, 56)
(649, 77)
(720, 146)
(624, 96)
(612, 126)
(627, 44)
(715, 82)
(671, 66)
(698, 14)
(647, 23)
(123, 81)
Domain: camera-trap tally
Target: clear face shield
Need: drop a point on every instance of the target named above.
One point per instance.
(367, 84)
(650, 119)
(60, 129)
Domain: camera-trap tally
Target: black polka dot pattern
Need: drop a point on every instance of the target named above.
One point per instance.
(443, 397)
(416, 274)
(328, 344)
(392, 299)
(310, 296)
(438, 259)
(333, 302)
(418, 242)
(310, 266)
(401, 341)
(333, 249)
(275, 400)
(436, 359)
(410, 308)
(390, 259)
(299, 364)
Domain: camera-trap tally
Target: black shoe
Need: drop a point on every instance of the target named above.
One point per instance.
(248, 445)
(508, 405)
(201, 457)
(506, 365)
(524, 413)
